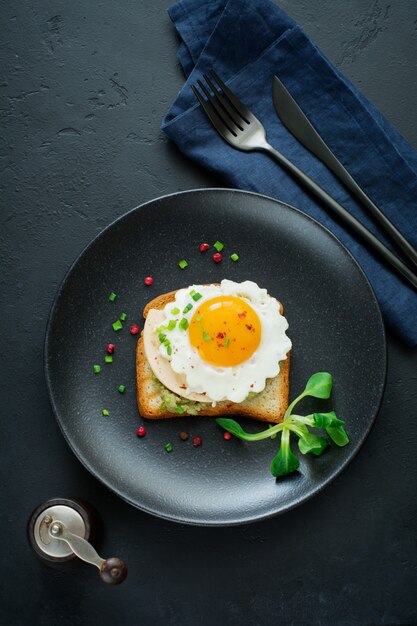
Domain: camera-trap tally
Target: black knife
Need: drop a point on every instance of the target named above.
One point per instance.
(299, 125)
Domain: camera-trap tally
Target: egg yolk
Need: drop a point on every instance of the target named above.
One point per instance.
(225, 330)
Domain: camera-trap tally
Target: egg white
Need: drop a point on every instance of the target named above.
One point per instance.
(236, 382)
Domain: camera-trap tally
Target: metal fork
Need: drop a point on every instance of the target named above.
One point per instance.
(242, 130)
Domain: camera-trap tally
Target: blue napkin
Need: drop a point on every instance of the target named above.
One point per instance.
(247, 42)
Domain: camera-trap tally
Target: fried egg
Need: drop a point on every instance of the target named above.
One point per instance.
(217, 342)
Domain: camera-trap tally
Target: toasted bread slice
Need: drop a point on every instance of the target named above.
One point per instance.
(269, 405)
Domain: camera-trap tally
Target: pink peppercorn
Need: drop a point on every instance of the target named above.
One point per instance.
(217, 257)
(134, 329)
(110, 348)
(204, 247)
(141, 431)
(148, 280)
(227, 435)
(197, 441)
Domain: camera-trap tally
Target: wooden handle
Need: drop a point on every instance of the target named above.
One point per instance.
(113, 571)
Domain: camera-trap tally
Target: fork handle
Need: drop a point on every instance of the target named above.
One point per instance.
(355, 225)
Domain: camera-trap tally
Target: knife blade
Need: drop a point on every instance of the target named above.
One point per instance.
(295, 120)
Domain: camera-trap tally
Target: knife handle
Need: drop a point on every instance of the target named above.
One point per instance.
(343, 214)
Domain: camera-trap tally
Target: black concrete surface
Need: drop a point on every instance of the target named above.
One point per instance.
(84, 87)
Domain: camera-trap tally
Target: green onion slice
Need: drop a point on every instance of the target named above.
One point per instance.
(183, 323)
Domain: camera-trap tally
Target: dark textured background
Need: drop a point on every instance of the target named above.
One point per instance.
(84, 87)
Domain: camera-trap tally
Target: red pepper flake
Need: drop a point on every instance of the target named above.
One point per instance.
(197, 441)
(220, 335)
(228, 406)
(242, 315)
(141, 431)
(204, 247)
(217, 257)
(148, 281)
(248, 326)
(134, 329)
(110, 348)
(204, 393)
(227, 435)
(252, 386)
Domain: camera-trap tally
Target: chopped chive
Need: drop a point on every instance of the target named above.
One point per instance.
(234, 257)
(96, 369)
(183, 264)
(206, 337)
(169, 447)
(167, 342)
(192, 292)
(179, 409)
(187, 308)
(183, 323)
(105, 412)
(219, 246)
(196, 296)
(171, 324)
(121, 388)
(108, 359)
(161, 337)
(112, 296)
(117, 325)
(123, 316)
(199, 318)
(169, 350)
(226, 342)
(175, 311)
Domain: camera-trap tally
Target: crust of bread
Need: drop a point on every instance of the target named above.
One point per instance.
(268, 406)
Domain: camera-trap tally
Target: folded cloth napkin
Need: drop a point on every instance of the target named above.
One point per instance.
(247, 42)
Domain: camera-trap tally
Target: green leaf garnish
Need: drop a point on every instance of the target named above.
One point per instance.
(183, 323)
(232, 426)
(206, 336)
(285, 462)
(319, 385)
(162, 337)
(171, 324)
(323, 420)
(218, 245)
(183, 264)
(187, 308)
(196, 296)
(312, 443)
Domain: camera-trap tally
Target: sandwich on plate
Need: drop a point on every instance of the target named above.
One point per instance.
(217, 349)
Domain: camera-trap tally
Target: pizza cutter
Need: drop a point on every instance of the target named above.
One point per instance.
(59, 530)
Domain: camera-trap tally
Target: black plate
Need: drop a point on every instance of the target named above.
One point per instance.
(335, 326)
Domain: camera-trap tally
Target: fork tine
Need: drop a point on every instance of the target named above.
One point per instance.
(211, 113)
(230, 110)
(239, 106)
(219, 110)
